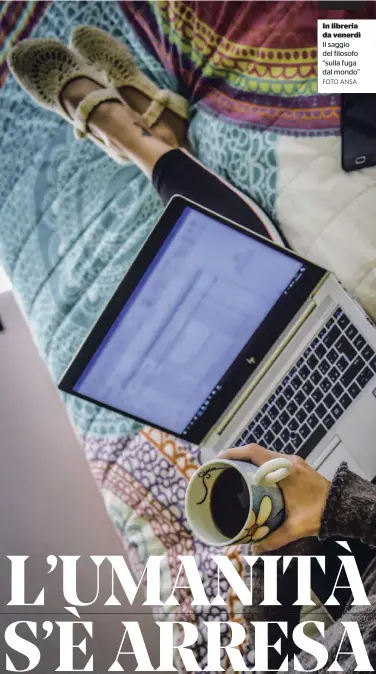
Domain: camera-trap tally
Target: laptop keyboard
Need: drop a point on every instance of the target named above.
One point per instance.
(321, 385)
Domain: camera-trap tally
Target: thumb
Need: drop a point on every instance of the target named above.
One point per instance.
(278, 539)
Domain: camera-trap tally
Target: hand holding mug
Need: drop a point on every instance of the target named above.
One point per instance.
(305, 492)
(230, 502)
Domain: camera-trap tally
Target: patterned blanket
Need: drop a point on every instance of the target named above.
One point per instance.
(71, 222)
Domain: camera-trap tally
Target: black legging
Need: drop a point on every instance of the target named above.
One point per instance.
(176, 172)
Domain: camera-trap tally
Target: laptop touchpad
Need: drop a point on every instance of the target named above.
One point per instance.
(330, 462)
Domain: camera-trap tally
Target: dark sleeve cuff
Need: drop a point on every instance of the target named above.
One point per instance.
(350, 510)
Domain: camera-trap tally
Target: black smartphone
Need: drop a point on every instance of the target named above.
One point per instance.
(358, 129)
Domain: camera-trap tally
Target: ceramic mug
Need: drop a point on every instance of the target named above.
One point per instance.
(266, 502)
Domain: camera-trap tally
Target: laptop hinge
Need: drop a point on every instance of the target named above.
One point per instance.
(267, 365)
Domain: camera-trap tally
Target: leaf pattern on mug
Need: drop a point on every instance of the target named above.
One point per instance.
(257, 530)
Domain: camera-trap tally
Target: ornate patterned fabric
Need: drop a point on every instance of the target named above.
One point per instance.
(71, 221)
(254, 62)
(17, 20)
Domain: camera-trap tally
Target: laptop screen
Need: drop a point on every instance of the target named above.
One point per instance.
(198, 304)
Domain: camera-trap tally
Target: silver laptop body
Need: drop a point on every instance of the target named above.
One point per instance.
(340, 431)
(223, 338)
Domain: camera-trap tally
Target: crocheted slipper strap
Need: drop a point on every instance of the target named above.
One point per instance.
(154, 110)
(88, 105)
(161, 100)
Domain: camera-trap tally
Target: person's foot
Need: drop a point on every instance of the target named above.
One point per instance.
(58, 79)
(101, 50)
(170, 128)
(117, 125)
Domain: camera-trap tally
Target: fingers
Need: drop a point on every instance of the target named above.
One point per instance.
(278, 539)
(254, 453)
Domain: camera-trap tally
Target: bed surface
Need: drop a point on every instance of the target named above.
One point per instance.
(71, 221)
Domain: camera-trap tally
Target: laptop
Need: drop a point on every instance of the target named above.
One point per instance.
(222, 338)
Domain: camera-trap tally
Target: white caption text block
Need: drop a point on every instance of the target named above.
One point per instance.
(346, 56)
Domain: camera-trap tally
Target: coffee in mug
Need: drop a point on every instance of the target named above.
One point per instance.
(234, 502)
(229, 502)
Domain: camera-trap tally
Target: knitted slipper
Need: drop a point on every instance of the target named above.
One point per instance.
(43, 67)
(111, 56)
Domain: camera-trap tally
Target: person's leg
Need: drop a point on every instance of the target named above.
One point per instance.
(178, 172)
(172, 170)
